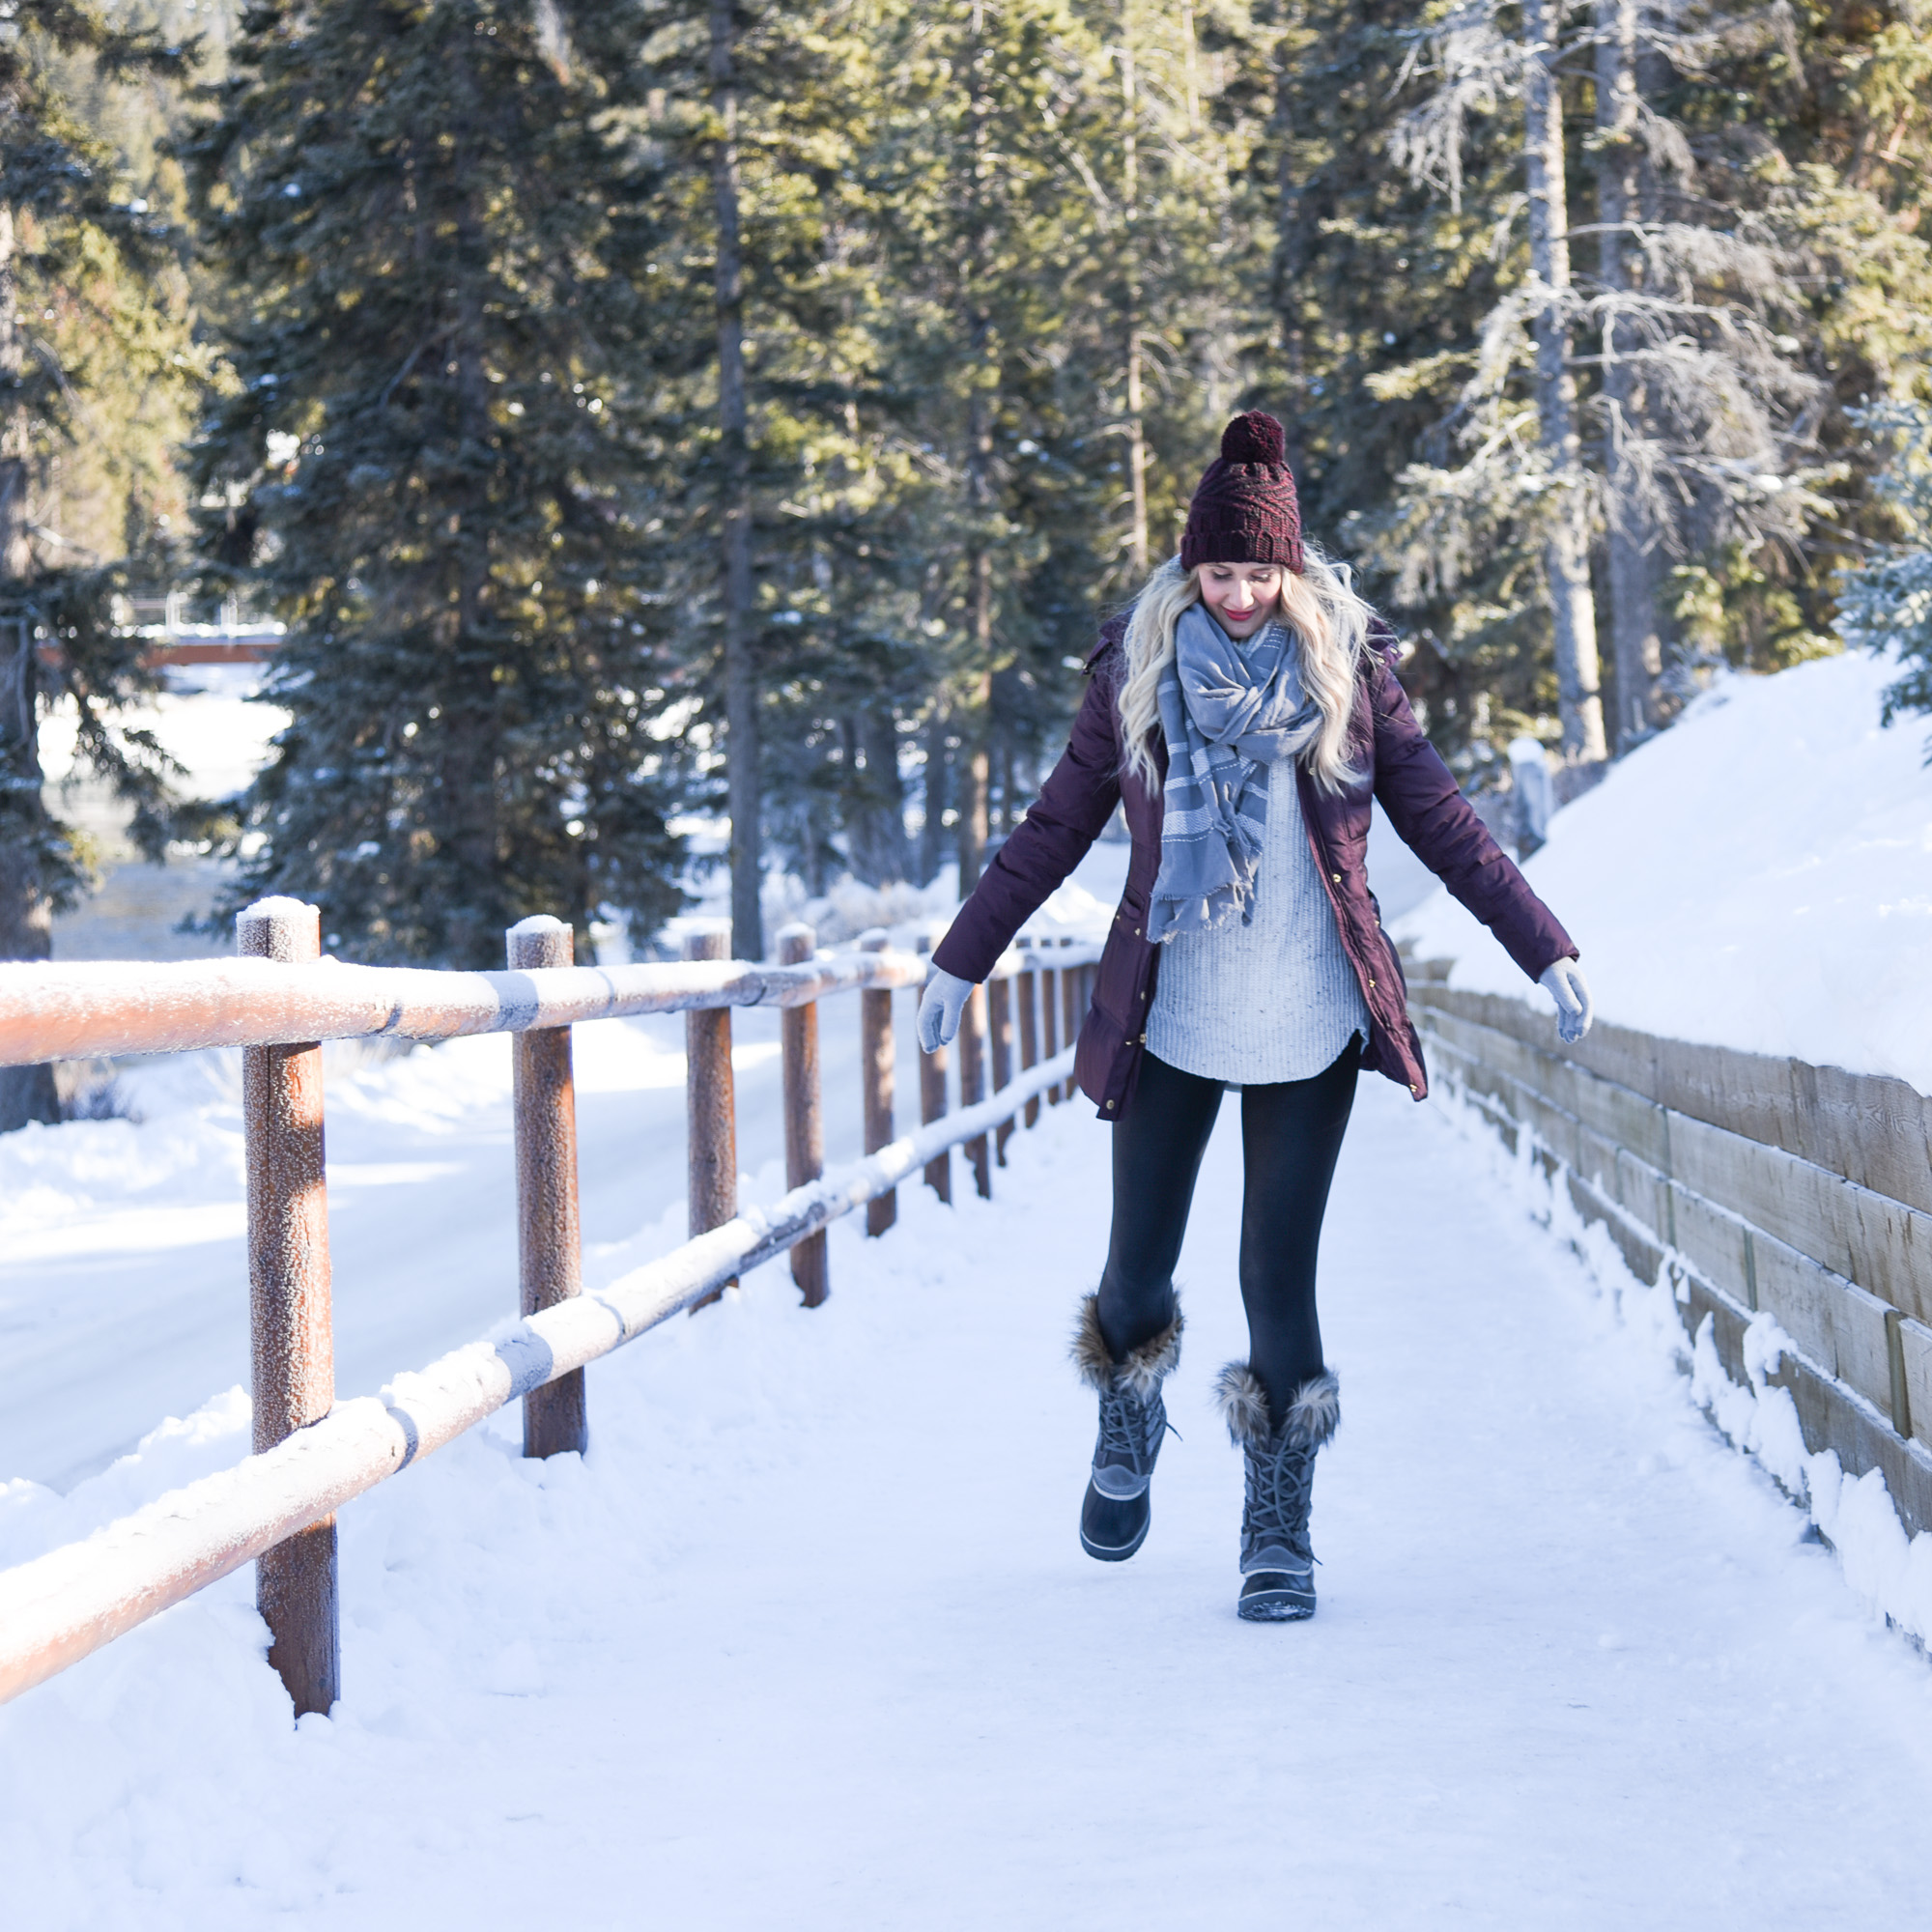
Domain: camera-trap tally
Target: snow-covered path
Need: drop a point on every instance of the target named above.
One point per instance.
(807, 1638)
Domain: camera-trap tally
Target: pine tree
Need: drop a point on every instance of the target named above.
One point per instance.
(989, 225)
(1753, 178)
(750, 228)
(1884, 603)
(1699, 431)
(1830, 171)
(1380, 285)
(92, 335)
(410, 201)
(1168, 299)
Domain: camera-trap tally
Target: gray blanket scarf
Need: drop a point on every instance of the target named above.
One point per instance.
(1229, 710)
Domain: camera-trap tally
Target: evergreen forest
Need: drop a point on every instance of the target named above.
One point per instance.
(641, 409)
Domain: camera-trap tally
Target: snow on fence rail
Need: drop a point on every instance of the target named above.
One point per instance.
(1763, 1186)
(313, 1453)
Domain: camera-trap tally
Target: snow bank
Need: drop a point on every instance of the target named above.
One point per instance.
(1754, 877)
(1888, 1572)
(727, 1652)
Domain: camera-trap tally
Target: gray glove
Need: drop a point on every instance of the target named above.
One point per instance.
(1567, 986)
(946, 995)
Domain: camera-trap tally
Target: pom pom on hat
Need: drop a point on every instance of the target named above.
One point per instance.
(1255, 437)
(1245, 509)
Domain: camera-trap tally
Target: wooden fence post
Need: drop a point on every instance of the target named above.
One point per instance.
(932, 1102)
(973, 1082)
(549, 1248)
(1073, 1006)
(877, 1051)
(290, 1329)
(710, 1108)
(1049, 1025)
(1000, 1023)
(1025, 991)
(805, 1124)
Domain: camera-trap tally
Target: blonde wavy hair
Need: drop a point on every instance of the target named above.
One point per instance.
(1328, 621)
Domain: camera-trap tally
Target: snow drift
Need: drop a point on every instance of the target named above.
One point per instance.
(1754, 877)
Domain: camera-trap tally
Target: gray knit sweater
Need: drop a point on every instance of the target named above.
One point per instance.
(1275, 1000)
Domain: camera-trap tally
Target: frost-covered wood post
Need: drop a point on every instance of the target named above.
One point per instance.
(549, 1249)
(711, 1114)
(999, 1023)
(1024, 991)
(1049, 1024)
(876, 1049)
(1072, 1005)
(805, 1124)
(932, 1103)
(291, 1330)
(973, 1082)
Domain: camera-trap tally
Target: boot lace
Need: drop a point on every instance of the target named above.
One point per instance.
(1123, 1429)
(1281, 1482)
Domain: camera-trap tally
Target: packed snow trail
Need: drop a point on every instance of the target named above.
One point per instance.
(807, 1638)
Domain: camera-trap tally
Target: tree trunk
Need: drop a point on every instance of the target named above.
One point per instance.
(469, 810)
(1566, 553)
(938, 802)
(876, 820)
(26, 912)
(1285, 270)
(1633, 550)
(974, 769)
(971, 827)
(1136, 428)
(882, 760)
(741, 684)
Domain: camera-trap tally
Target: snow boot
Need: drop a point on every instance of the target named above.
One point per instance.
(1277, 1558)
(1113, 1517)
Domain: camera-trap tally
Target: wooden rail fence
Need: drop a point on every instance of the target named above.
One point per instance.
(312, 1454)
(1757, 1184)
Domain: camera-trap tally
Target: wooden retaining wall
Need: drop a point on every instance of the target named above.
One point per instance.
(1760, 1184)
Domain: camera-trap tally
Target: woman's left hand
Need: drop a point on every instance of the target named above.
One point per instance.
(1566, 984)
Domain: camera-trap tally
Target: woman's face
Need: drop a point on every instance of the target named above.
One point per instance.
(1241, 597)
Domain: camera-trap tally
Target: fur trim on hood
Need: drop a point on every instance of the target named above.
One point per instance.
(1312, 1418)
(1146, 1367)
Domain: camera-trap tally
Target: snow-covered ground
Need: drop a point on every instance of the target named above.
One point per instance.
(1758, 876)
(808, 1638)
(124, 1281)
(124, 1278)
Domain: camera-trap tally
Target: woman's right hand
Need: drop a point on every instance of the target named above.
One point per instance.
(939, 1011)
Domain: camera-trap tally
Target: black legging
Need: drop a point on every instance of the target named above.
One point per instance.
(1290, 1135)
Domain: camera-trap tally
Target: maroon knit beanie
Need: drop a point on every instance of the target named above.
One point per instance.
(1245, 510)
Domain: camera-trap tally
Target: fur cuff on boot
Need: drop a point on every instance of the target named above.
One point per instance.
(1311, 1416)
(1146, 1367)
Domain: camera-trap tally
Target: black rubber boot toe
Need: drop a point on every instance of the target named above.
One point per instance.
(1111, 1527)
(1277, 1596)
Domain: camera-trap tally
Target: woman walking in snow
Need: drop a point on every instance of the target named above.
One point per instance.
(1244, 713)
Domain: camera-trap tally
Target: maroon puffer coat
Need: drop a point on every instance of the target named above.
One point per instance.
(1403, 770)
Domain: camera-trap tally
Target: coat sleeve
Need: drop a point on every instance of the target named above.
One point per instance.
(1440, 827)
(1072, 812)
